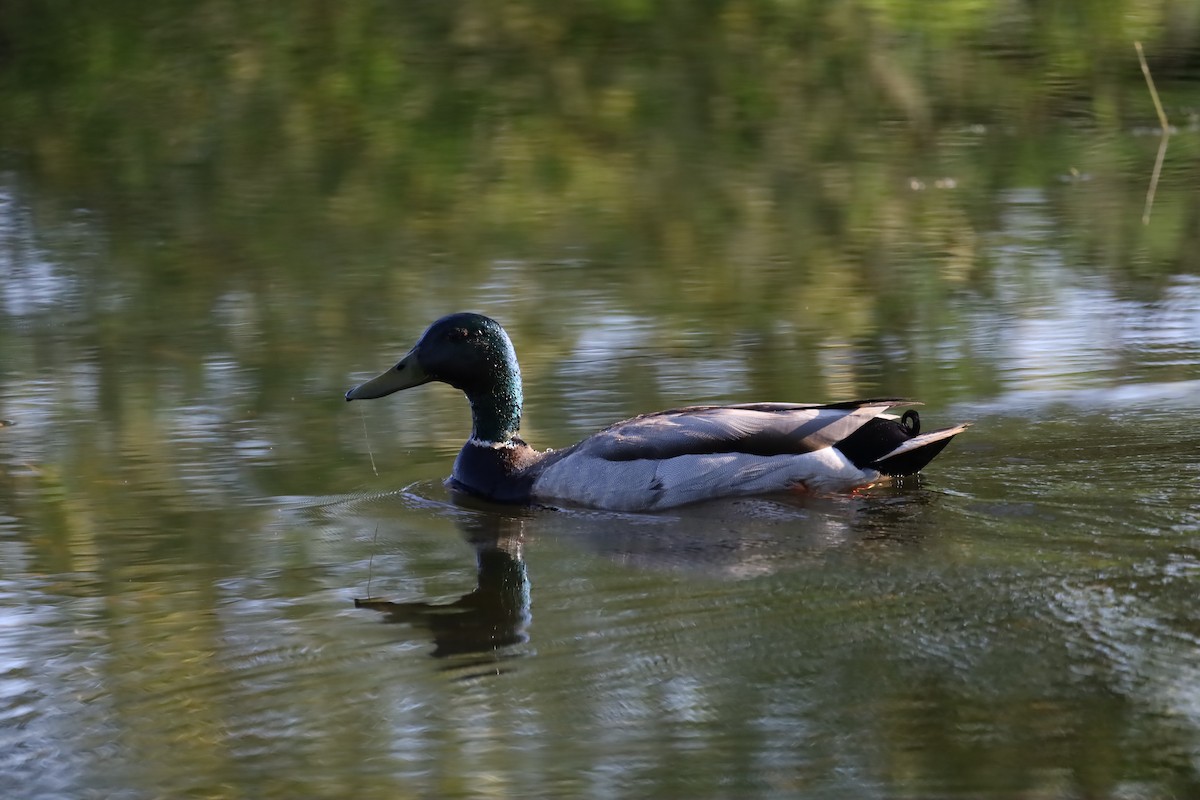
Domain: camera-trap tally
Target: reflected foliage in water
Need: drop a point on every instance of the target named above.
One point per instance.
(215, 217)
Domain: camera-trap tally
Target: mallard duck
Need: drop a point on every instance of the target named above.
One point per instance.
(657, 460)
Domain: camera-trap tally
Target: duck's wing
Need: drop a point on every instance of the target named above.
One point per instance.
(759, 429)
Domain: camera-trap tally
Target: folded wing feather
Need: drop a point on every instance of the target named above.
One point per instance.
(763, 429)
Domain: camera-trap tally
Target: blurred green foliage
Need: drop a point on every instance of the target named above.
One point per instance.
(723, 134)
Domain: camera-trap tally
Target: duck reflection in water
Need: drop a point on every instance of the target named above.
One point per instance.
(732, 540)
(493, 617)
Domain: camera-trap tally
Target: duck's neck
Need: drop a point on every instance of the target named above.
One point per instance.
(496, 408)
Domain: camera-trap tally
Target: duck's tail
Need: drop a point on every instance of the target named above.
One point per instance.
(895, 445)
(912, 456)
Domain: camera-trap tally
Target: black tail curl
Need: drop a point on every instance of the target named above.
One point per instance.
(874, 440)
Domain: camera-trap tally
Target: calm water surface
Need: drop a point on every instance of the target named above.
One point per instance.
(209, 231)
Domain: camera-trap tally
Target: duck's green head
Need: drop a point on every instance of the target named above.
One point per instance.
(470, 352)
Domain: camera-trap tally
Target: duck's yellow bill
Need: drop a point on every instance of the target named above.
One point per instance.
(405, 375)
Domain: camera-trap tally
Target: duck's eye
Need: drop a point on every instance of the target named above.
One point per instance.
(459, 335)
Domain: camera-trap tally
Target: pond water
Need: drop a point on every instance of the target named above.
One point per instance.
(214, 220)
